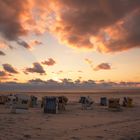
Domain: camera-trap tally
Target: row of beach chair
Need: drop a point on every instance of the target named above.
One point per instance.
(55, 104)
(112, 103)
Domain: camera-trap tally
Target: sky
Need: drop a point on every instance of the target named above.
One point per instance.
(91, 43)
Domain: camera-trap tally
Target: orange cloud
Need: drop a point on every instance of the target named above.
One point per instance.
(21, 17)
(106, 26)
(4, 75)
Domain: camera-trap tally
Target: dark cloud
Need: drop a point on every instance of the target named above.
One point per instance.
(37, 68)
(67, 85)
(10, 19)
(9, 68)
(3, 73)
(36, 81)
(2, 53)
(103, 66)
(17, 19)
(131, 39)
(105, 25)
(49, 62)
(24, 44)
(21, 17)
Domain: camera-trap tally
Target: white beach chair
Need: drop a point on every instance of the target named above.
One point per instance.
(87, 103)
(21, 103)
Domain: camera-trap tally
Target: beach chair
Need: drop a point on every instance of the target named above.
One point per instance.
(43, 102)
(50, 105)
(82, 99)
(3, 99)
(127, 102)
(103, 101)
(33, 101)
(62, 101)
(114, 104)
(10, 100)
(87, 102)
(20, 104)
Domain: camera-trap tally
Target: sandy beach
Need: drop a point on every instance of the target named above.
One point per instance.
(74, 123)
(69, 69)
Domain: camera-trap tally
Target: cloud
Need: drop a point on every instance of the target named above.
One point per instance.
(89, 61)
(11, 18)
(4, 44)
(35, 42)
(2, 53)
(37, 68)
(66, 85)
(9, 68)
(49, 62)
(31, 44)
(103, 66)
(102, 25)
(24, 44)
(38, 81)
(28, 45)
(3, 73)
(15, 79)
(106, 26)
(19, 18)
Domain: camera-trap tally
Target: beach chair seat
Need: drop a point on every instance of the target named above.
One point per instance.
(20, 104)
(10, 100)
(127, 102)
(51, 105)
(62, 101)
(82, 99)
(103, 101)
(3, 99)
(114, 104)
(87, 102)
(33, 101)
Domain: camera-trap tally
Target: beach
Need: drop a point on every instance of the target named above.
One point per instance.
(74, 123)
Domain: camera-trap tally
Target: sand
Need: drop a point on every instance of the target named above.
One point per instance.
(74, 123)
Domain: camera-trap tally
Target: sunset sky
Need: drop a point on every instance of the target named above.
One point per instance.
(73, 40)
